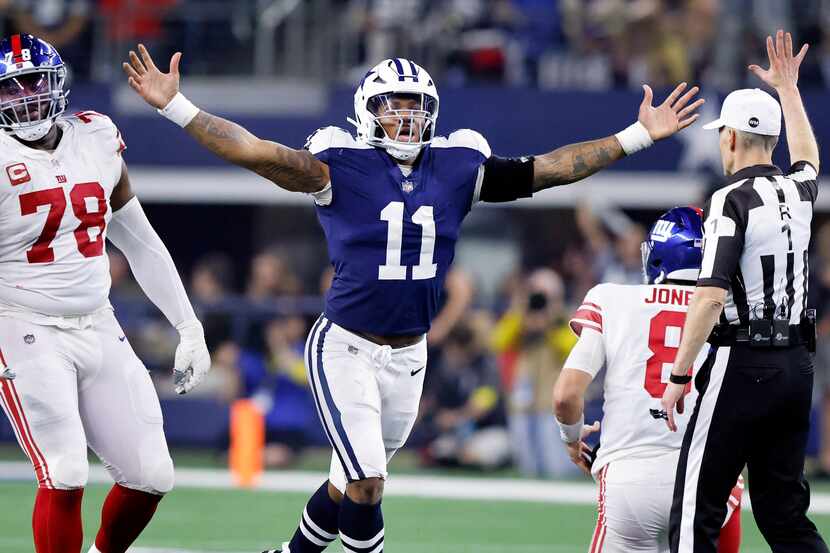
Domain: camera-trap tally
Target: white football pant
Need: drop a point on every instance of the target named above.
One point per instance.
(367, 397)
(635, 499)
(82, 385)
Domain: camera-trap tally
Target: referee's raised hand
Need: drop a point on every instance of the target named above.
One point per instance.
(782, 75)
(783, 65)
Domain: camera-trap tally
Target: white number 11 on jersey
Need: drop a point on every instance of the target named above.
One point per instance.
(423, 217)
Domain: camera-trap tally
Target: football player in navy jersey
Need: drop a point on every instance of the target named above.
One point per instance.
(391, 201)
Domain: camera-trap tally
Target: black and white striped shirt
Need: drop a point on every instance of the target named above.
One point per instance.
(756, 237)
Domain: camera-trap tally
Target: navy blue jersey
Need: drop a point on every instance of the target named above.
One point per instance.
(391, 237)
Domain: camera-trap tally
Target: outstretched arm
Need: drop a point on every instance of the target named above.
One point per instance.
(782, 75)
(576, 161)
(130, 230)
(293, 170)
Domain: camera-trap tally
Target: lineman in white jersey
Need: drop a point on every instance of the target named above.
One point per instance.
(635, 331)
(70, 379)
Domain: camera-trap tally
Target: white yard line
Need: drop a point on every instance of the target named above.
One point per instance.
(477, 547)
(425, 486)
(409, 546)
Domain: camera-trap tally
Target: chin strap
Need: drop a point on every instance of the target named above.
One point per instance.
(402, 155)
(393, 150)
(35, 132)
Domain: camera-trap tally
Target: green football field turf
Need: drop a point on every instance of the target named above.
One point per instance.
(248, 521)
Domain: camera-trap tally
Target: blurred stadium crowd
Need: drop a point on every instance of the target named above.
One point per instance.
(594, 44)
(493, 359)
(496, 354)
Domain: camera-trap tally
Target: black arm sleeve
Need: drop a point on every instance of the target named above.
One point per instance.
(507, 179)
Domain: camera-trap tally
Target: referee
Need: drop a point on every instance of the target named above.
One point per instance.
(755, 387)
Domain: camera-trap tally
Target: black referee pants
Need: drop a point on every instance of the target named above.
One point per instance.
(753, 411)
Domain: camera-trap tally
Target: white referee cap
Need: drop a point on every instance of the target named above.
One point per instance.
(750, 110)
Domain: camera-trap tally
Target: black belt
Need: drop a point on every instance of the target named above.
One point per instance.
(727, 335)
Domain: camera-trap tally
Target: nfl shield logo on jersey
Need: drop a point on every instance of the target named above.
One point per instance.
(407, 186)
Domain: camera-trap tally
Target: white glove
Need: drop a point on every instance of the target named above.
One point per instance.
(192, 361)
(7, 373)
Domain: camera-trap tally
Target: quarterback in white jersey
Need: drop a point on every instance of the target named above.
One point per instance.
(69, 379)
(634, 331)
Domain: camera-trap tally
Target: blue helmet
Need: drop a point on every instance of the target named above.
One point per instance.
(674, 246)
(32, 79)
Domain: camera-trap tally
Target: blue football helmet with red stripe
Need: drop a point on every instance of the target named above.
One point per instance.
(32, 81)
(673, 249)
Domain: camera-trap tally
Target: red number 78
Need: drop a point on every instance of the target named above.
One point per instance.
(42, 251)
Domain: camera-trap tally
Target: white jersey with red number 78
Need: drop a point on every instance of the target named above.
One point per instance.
(641, 326)
(54, 211)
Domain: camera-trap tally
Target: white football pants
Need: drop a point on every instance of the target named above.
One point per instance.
(367, 397)
(80, 385)
(635, 499)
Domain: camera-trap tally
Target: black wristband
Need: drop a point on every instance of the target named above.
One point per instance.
(680, 378)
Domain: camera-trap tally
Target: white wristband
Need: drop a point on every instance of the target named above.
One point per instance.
(571, 433)
(191, 328)
(634, 138)
(180, 110)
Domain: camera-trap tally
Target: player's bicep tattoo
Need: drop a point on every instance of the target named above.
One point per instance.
(575, 162)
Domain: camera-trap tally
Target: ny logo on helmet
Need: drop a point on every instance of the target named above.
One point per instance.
(662, 230)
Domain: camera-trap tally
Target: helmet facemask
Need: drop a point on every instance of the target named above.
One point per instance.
(31, 100)
(646, 248)
(402, 122)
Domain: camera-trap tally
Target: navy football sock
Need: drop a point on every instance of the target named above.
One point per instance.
(318, 524)
(361, 527)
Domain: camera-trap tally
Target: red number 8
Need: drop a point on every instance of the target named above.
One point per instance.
(660, 352)
(89, 219)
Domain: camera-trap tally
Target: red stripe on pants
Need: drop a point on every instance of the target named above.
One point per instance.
(599, 531)
(18, 419)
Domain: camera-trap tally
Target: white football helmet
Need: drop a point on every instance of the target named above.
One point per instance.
(400, 91)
